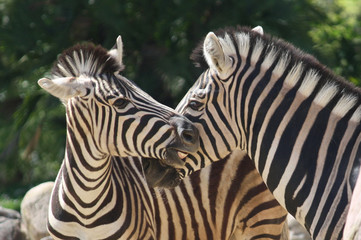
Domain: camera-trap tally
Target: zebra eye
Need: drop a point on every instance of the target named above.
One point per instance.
(232, 60)
(195, 105)
(120, 103)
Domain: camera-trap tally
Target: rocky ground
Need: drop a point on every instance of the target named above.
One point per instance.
(31, 224)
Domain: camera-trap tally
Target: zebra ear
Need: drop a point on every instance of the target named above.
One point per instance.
(64, 88)
(117, 51)
(214, 54)
(258, 29)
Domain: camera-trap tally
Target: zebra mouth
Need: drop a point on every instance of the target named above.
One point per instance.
(165, 172)
(174, 158)
(159, 174)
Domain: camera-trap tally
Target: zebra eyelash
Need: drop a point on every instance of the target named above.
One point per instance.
(121, 103)
(195, 105)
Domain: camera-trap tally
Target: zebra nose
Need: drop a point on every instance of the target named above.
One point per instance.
(187, 132)
(189, 136)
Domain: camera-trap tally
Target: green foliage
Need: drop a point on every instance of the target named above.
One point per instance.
(338, 41)
(12, 203)
(158, 38)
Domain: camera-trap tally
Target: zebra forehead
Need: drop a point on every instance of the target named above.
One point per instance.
(201, 93)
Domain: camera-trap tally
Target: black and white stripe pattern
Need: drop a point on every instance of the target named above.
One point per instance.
(226, 200)
(297, 121)
(96, 196)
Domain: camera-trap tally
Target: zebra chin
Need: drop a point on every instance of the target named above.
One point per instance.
(160, 175)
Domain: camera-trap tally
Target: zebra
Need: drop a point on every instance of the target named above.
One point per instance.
(107, 117)
(297, 121)
(225, 200)
(125, 207)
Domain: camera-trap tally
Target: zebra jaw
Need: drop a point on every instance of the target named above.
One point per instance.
(158, 174)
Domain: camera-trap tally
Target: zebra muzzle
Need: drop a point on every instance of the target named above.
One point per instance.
(187, 135)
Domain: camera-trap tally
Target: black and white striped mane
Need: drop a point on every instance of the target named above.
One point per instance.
(280, 47)
(86, 59)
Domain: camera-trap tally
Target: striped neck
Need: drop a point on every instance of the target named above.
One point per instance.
(94, 189)
(98, 199)
(83, 164)
(303, 133)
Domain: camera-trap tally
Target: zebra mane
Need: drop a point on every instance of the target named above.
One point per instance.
(86, 59)
(293, 61)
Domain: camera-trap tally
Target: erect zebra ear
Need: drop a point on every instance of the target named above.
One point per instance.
(214, 54)
(258, 29)
(65, 88)
(117, 51)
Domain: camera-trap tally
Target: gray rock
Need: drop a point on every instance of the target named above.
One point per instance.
(297, 231)
(10, 225)
(34, 210)
(9, 213)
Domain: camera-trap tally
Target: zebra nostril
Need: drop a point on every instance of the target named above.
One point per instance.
(188, 134)
(188, 137)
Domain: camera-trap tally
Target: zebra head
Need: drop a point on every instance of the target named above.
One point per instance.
(112, 116)
(210, 104)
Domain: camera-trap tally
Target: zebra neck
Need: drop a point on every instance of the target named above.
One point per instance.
(304, 139)
(85, 171)
(82, 151)
(104, 206)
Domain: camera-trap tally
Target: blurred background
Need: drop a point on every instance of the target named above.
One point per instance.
(158, 37)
